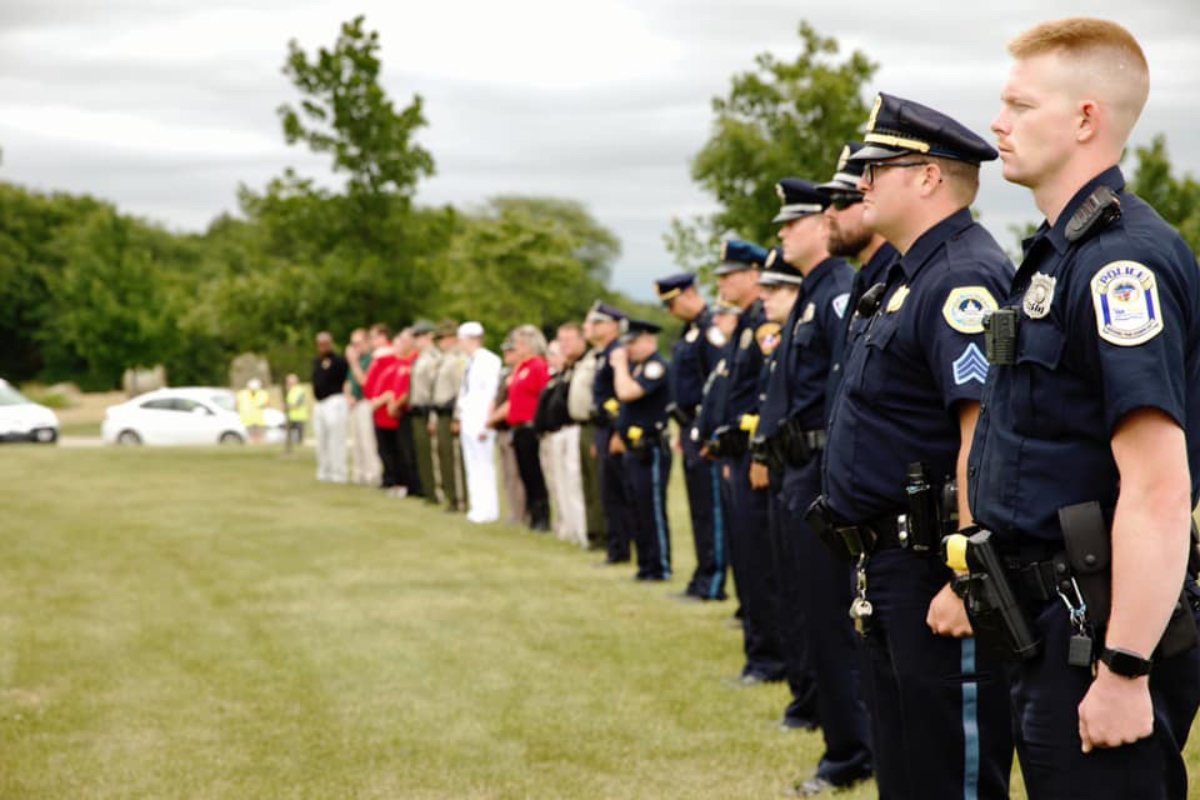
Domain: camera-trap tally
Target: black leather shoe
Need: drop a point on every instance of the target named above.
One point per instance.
(798, 724)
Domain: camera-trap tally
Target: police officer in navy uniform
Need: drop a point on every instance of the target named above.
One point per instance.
(749, 536)
(693, 358)
(850, 238)
(780, 284)
(902, 421)
(1091, 428)
(640, 381)
(604, 324)
(814, 590)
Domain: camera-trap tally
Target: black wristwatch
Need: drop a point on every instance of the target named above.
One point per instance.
(1125, 663)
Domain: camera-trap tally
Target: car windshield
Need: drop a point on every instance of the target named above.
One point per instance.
(10, 396)
(225, 401)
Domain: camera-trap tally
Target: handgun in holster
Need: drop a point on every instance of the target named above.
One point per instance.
(846, 542)
(996, 616)
(1088, 541)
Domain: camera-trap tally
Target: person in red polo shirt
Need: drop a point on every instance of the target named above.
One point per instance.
(399, 407)
(530, 375)
(378, 391)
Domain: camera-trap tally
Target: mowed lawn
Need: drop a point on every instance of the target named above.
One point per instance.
(214, 623)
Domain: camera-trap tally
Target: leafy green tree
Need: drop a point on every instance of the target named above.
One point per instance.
(783, 118)
(1177, 199)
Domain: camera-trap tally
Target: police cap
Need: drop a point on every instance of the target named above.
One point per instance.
(899, 127)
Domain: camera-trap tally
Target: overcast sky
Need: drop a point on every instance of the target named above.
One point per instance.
(165, 107)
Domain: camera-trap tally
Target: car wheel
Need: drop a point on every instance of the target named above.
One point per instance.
(229, 437)
(45, 435)
(129, 438)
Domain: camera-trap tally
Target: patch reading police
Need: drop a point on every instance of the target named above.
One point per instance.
(747, 338)
(972, 365)
(692, 335)
(715, 337)
(896, 300)
(1125, 294)
(654, 370)
(768, 337)
(1039, 295)
(965, 307)
(839, 304)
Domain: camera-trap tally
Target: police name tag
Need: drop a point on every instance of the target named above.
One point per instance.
(965, 307)
(1125, 295)
(1039, 295)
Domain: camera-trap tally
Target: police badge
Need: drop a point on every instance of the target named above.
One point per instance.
(1039, 296)
(692, 335)
(747, 338)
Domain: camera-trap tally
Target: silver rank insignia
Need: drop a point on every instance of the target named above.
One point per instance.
(1039, 296)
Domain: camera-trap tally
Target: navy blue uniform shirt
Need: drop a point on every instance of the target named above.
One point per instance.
(1108, 325)
(648, 412)
(693, 358)
(816, 327)
(603, 390)
(920, 353)
(873, 272)
(745, 363)
(716, 393)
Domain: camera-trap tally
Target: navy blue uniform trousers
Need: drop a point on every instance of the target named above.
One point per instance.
(834, 655)
(646, 477)
(1046, 694)
(708, 523)
(790, 606)
(753, 574)
(618, 510)
(939, 706)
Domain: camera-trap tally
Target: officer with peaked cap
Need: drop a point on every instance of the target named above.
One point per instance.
(899, 435)
(605, 326)
(749, 540)
(780, 283)
(1087, 453)
(814, 587)
(640, 383)
(849, 237)
(693, 358)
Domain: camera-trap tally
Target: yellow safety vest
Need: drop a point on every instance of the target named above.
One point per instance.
(297, 401)
(251, 405)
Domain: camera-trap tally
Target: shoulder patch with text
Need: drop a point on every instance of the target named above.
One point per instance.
(654, 370)
(768, 337)
(1125, 295)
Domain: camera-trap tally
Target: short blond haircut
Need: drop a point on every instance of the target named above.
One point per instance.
(1106, 61)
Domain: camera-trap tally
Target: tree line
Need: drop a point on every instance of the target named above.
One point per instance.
(89, 291)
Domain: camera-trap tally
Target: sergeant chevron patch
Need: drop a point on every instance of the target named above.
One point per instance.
(972, 365)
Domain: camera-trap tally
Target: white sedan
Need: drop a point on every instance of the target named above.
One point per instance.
(22, 420)
(183, 416)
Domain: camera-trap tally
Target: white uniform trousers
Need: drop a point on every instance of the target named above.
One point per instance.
(364, 454)
(329, 425)
(479, 461)
(560, 459)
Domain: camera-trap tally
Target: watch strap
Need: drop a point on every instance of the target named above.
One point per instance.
(1125, 663)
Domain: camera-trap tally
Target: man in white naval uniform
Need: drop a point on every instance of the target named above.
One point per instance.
(471, 412)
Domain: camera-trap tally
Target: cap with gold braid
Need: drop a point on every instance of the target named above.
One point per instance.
(899, 127)
(672, 286)
(848, 172)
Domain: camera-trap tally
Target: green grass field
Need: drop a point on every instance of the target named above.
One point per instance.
(213, 623)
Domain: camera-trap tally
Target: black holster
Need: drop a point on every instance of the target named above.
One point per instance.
(1088, 542)
(846, 542)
